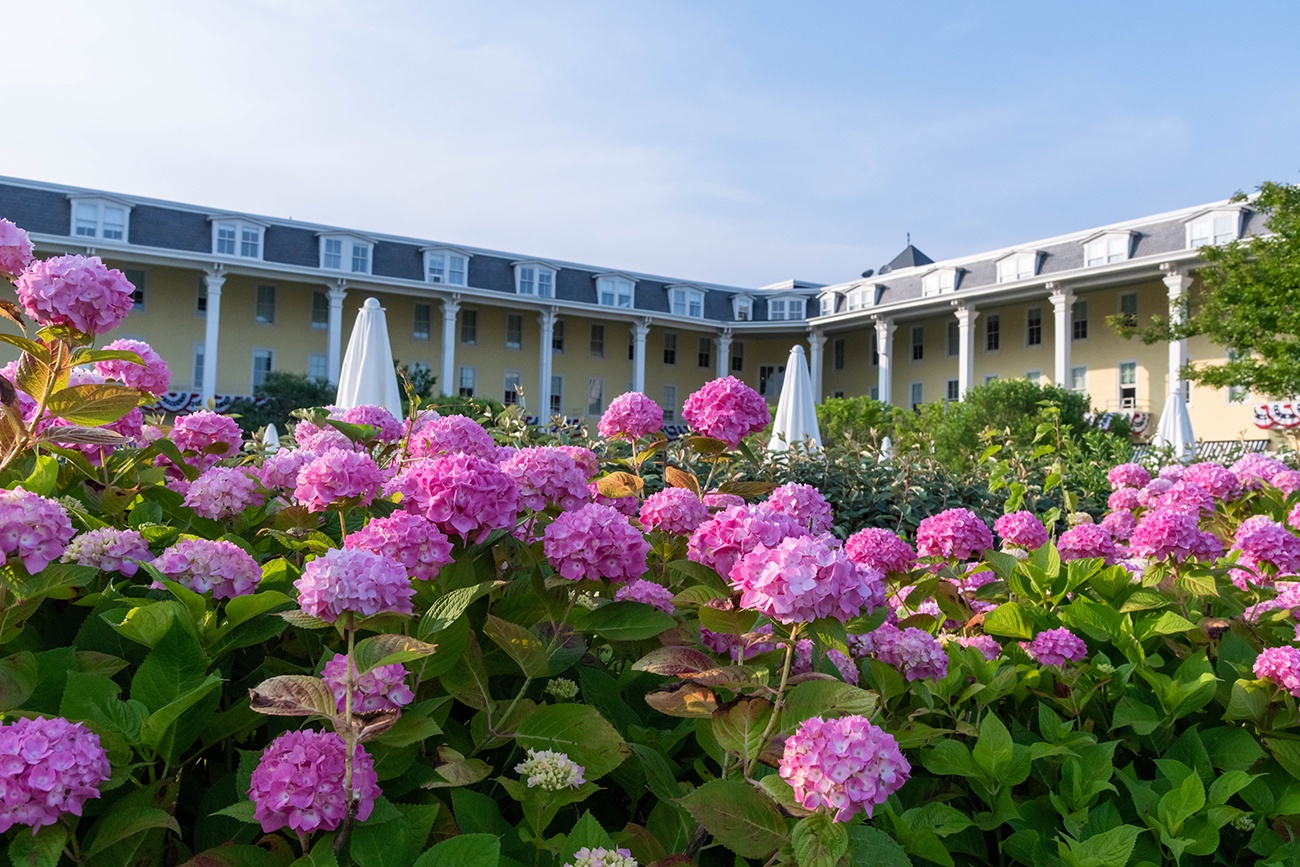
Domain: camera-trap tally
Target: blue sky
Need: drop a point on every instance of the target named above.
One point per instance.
(735, 142)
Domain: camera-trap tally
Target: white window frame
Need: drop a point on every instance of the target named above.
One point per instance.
(535, 279)
(270, 358)
(509, 396)
(519, 333)
(596, 341)
(1119, 382)
(1035, 376)
(557, 394)
(940, 281)
(951, 390)
(670, 348)
(321, 360)
(1079, 317)
(742, 308)
(349, 246)
(687, 301)
(826, 304)
(792, 308)
(101, 205)
(669, 403)
(1237, 394)
(838, 353)
(324, 324)
(1029, 325)
(446, 266)
(1120, 305)
(916, 394)
(1079, 373)
(1020, 265)
(993, 325)
(616, 290)
(952, 339)
(914, 344)
(247, 241)
(468, 326)
(461, 377)
(990, 377)
(198, 359)
(595, 386)
(1107, 249)
(1215, 227)
(257, 304)
(427, 309)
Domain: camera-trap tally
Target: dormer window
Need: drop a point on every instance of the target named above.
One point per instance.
(344, 252)
(826, 306)
(742, 308)
(862, 297)
(1107, 249)
(1018, 266)
(535, 278)
(237, 237)
(939, 282)
(785, 308)
(446, 265)
(686, 301)
(615, 290)
(105, 219)
(1216, 227)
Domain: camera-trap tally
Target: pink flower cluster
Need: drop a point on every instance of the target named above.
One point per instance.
(298, 784)
(748, 645)
(351, 580)
(1128, 476)
(846, 765)
(319, 440)
(338, 478)
(453, 434)
(624, 505)
(35, 529)
(595, 542)
(1162, 534)
(955, 533)
(1287, 481)
(585, 458)
(1255, 470)
(48, 767)
(220, 567)
(75, 290)
(1088, 540)
(985, 644)
(412, 540)
(1186, 498)
(280, 470)
(1055, 647)
(914, 652)
(1126, 499)
(1267, 549)
(880, 549)
(805, 504)
(388, 428)
(1021, 530)
(382, 688)
(716, 502)
(726, 409)
(673, 510)
(153, 376)
(464, 495)
(801, 579)
(1120, 525)
(1280, 665)
(547, 476)
(723, 539)
(110, 550)
(648, 592)
(1217, 480)
(205, 430)
(223, 492)
(602, 857)
(631, 416)
(15, 249)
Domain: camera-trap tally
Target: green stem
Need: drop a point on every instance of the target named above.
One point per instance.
(349, 735)
(528, 680)
(780, 700)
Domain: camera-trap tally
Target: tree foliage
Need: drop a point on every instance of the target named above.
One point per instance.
(280, 394)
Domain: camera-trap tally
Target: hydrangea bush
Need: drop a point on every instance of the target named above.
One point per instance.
(436, 641)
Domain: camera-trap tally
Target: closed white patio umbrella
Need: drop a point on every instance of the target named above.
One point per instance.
(270, 440)
(1175, 428)
(367, 376)
(796, 409)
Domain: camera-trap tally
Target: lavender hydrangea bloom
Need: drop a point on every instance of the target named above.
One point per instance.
(1280, 665)
(673, 510)
(914, 652)
(223, 492)
(222, 568)
(632, 416)
(799, 580)
(805, 504)
(649, 593)
(34, 529)
(379, 689)
(1088, 540)
(465, 496)
(593, 543)
(337, 477)
(1162, 535)
(352, 580)
(153, 376)
(726, 409)
(1021, 530)
(48, 767)
(844, 765)
(880, 549)
(298, 784)
(412, 540)
(15, 249)
(955, 533)
(602, 857)
(1128, 476)
(723, 539)
(75, 290)
(1056, 647)
(547, 476)
(109, 549)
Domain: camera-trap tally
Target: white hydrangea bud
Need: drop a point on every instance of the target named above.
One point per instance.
(550, 770)
(561, 688)
(602, 857)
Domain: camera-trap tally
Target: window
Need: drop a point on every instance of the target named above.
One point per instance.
(514, 331)
(1034, 326)
(670, 348)
(1128, 378)
(992, 333)
(350, 252)
(954, 338)
(839, 395)
(332, 254)
(992, 377)
(317, 365)
(264, 311)
(875, 392)
(199, 349)
(598, 341)
(874, 339)
(360, 259)
(952, 390)
(614, 290)
(105, 219)
(1017, 266)
(201, 300)
(860, 299)
(916, 395)
(1107, 249)
(939, 282)
(513, 382)
(422, 325)
(595, 396)
(557, 336)
(742, 306)
(135, 277)
(827, 305)
(1079, 379)
(1034, 375)
(776, 309)
(1128, 308)
(263, 363)
(687, 302)
(557, 395)
(837, 353)
(320, 311)
(785, 308)
(631, 348)
(670, 403)
(445, 266)
(1079, 320)
(469, 326)
(737, 356)
(466, 380)
(535, 279)
(238, 238)
(1218, 227)
(706, 352)
(918, 342)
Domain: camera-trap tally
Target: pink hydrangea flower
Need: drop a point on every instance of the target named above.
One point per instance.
(799, 580)
(220, 567)
(673, 510)
(1056, 647)
(1267, 549)
(382, 688)
(201, 431)
(737, 647)
(631, 416)
(353, 580)
(880, 549)
(1186, 498)
(1255, 470)
(1216, 479)
(1120, 525)
(387, 426)
(1128, 476)
(412, 540)
(1087, 541)
(628, 506)
(298, 784)
(1163, 534)
(110, 550)
(595, 542)
(319, 440)
(1293, 517)
(547, 476)
(720, 541)
(280, 470)
(716, 502)
(802, 663)
(75, 290)
(34, 529)
(1280, 665)
(336, 478)
(986, 644)
(805, 504)
(1287, 481)
(15, 249)
(726, 409)
(223, 492)
(1021, 530)
(1172, 472)
(956, 533)
(465, 496)
(153, 376)
(648, 592)
(1288, 596)
(914, 652)
(1149, 497)
(585, 458)
(49, 767)
(1125, 499)
(453, 434)
(846, 765)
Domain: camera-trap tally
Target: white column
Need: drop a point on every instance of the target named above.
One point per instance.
(337, 293)
(639, 333)
(722, 343)
(547, 320)
(966, 316)
(885, 349)
(816, 345)
(1176, 282)
(447, 380)
(1063, 309)
(213, 280)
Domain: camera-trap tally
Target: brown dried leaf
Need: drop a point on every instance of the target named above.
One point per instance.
(687, 700)
(11, 311)
(80, 435)
(618, 485)
(674, 661)
(456, 770)
(679, 478)
(747, 489)
(730, 676)
(368, 726)
(293, 695)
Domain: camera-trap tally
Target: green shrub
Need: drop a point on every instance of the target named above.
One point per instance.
(278, 396)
